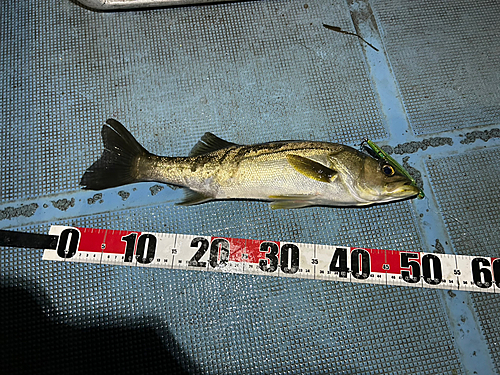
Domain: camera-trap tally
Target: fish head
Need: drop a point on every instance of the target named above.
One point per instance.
(381, 182)
(372, 180)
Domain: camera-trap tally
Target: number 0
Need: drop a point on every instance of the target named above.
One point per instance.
(67, 250)
(365, 264)
(289, 251)
(434, 274)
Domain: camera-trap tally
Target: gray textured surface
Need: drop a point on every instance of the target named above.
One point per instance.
(445, 57)
(248, 72)
(466, 189)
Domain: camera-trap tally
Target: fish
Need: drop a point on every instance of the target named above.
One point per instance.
(289, 174)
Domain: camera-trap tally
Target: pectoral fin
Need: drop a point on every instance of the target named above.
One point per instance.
(311, 168)
(281, 202)
(192, 197)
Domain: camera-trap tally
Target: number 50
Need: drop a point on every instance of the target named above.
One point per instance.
(431, 268)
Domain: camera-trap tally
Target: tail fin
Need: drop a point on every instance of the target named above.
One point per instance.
(118, 160)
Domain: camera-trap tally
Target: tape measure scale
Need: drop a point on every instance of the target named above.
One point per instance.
(272, 258)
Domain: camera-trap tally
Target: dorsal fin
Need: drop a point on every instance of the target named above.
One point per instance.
(209, 143)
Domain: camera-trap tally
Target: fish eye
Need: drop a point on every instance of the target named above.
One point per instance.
(388, 170)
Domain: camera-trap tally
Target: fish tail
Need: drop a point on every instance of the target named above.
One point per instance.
(118, 164)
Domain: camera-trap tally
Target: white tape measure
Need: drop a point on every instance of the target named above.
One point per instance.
(271, 258)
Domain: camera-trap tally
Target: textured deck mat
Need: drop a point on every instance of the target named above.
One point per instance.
(472, 218)
(445, 58)
(249, 72)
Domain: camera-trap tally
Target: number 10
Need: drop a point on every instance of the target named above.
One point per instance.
(145, 240)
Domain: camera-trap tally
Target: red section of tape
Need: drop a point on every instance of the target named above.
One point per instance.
(91, 240)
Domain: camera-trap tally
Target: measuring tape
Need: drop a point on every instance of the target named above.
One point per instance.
(272, 258)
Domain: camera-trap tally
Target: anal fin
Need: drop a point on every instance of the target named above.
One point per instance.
(192, 197)
(282, 202)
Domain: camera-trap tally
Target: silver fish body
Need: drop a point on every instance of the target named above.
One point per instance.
(291, 174)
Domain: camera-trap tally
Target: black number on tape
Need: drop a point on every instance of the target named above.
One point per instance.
(195, 260)
(129, 249)
(434, 274)
(481, 275)
(290, 258)
(142, 256)
(365, 264)
(412, 276)
(496, 272)
(339, 262)
(214, 252)
(68, 243)
(271, 263)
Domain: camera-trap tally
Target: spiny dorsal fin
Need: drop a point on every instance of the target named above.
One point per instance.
(311, 168)
(209, 143)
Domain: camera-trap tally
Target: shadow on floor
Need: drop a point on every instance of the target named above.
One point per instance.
(33, 343)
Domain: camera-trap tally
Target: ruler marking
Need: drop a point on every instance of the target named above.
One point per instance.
(244, 258)
(315, 257)
(458, 271)
(386, 271)
(103, 243)
(174, 249)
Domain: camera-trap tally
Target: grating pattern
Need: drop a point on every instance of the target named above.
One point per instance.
(444, 91)
(489, 319)
(468, 210)
(464, 186)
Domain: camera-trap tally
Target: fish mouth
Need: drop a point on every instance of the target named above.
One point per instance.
(405, 190)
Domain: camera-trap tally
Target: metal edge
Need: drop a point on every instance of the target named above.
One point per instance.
(111, 5)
